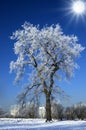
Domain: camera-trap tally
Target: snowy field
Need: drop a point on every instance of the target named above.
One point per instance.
(38, 124)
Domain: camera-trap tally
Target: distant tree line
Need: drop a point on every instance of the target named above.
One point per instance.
(59, 112)
(3, 113)
(75, 112)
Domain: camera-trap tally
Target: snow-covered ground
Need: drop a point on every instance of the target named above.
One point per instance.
(38, 124)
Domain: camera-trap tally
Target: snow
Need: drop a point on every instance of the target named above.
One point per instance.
(40, 124)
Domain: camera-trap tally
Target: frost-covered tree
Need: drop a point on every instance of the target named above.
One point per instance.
(45, 52)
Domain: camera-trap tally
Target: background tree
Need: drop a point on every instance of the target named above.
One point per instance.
(70, 113)
(28, 109)
(44, 52)
(2, 113)
(80, 111)
(77, 111)
(57, 110)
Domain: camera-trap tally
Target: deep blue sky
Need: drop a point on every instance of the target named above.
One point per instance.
(13, 13)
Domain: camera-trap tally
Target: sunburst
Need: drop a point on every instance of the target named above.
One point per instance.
(78, 7)
(76, 10)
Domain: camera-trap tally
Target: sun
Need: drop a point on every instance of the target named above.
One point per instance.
(76, 10)
(78, 7)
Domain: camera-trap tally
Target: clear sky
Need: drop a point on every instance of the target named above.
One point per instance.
(13, 13)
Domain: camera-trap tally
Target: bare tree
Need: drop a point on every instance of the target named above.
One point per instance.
(70, 113)
(28, 108)
(44, 52)
(57, 110)
(80, 111)
(2, 113)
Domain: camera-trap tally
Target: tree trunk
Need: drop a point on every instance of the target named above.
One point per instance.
(48, 107)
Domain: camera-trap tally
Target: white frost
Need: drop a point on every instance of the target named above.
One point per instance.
(45, 48)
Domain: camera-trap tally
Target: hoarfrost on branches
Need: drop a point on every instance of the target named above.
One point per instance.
(44, 49)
